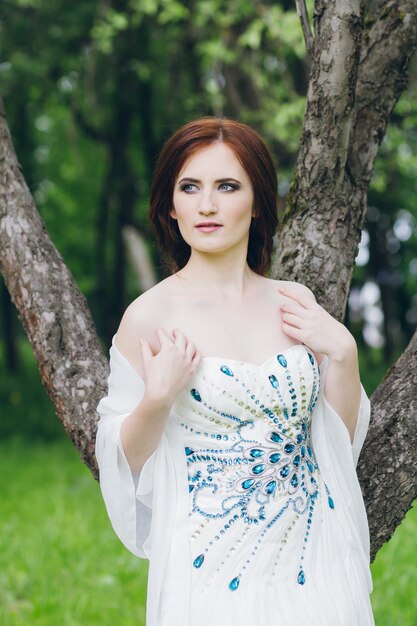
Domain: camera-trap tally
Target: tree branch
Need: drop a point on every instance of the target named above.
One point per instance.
(319, 214)
(90, 130)
(51, 308)
(387, 469)
(354, 85)
(305, 24)
(389, 43)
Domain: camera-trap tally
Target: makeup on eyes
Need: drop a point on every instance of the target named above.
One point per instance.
(219, 180)
(232, 182)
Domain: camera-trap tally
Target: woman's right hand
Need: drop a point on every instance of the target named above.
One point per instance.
(169, 370)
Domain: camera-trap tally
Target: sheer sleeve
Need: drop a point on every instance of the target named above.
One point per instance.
(337, 457)
(128, 497)
(335, 424)
(148, 509)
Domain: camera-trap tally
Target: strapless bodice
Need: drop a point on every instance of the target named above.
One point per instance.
(248, 448)
(223, 392)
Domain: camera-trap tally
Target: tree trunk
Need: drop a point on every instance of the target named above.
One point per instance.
(51, 308)
(358, 73)
(352, 92)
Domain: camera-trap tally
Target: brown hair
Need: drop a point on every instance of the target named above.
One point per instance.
(254, 156)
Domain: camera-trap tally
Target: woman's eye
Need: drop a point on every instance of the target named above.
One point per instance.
(191, 187)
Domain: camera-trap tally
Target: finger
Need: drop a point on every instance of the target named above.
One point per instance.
(163, 336)
(179, 338)
(294, 320)
(146, 349)
(191, 350)
(302, 299)
(195, 362)
(292, 331)
(292, 307)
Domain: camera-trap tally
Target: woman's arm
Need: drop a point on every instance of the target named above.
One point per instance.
(342, 388)
(164, 375)
(305, 320)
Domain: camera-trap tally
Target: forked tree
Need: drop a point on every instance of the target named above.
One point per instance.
(360, 53)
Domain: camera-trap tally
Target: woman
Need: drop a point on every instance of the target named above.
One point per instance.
(235, 415)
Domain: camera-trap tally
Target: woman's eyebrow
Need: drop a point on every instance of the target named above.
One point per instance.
(219, 180)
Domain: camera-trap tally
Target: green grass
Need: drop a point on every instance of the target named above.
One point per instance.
(62, 565)
(60, 562)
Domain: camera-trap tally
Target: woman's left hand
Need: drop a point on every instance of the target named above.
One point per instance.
(305, 320)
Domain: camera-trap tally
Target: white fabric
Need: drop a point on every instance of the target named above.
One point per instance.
(151, 512)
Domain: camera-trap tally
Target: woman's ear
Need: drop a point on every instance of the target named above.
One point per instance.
(173, 213)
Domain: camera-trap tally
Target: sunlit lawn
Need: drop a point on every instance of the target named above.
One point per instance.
(61, 564)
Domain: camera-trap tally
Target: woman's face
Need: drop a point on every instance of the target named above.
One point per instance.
(213, 187)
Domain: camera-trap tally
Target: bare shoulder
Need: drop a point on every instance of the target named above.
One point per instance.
(140, 321)
(298, 288)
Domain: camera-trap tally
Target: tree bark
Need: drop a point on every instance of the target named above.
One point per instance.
(359, 70)
(351, 94)
(51, 308)
(387, 469)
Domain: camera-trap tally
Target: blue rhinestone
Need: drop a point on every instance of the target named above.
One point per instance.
(275, 437)
(270, 487)
(247, 484)
(286, 414)
(285, 471)
(273, 380)
(303, 451)
(310, 466)
(198, 562)
(289, 447)
(309, 451)
(331, 503)
(275, 457)
(299, 438)
(258, 469)
(226, 370)
(296, 460)
(190, 488)
(188, 451)
(301, 578)
(282, 360)
(195, 395)
(310, 356)
(256, 452)
(234, 584)
(294, 480)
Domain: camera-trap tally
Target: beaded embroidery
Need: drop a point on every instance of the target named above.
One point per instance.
(266, 468)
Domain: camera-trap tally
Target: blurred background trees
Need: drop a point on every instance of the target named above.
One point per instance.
(91, 92)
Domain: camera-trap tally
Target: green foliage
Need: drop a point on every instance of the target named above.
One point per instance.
(26, 410)
(91, 93)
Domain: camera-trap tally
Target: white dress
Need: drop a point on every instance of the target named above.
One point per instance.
(249, 510)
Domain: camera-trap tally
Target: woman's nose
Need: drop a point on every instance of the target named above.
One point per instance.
(207, 204)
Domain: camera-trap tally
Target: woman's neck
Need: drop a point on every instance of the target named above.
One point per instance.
(218, 279)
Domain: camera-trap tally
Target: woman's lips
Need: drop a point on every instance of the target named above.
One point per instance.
(208, 229)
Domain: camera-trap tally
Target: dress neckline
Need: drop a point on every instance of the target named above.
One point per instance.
(261, 365)
(220, 358)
